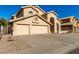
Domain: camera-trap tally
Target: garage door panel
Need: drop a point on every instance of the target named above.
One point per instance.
(22, 30)
(39, 29)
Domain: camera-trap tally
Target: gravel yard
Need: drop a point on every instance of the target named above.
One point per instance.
(40, 44)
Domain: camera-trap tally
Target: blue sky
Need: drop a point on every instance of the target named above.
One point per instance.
(62, 10)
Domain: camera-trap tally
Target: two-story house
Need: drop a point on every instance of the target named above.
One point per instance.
(69, 24)
(33, 20)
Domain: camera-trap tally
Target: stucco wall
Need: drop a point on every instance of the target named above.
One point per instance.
(26, 12)
(55, 22)
(49, 15)
(31, 20)
(77, 24)
(40, 11)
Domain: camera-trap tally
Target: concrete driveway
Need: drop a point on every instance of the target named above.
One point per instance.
(40, 44)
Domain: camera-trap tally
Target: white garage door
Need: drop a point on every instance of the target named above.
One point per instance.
(21, 30)
(39, 29)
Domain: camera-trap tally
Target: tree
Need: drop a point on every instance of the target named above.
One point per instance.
(3, 22)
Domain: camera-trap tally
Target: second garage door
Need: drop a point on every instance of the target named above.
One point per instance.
(39, 29)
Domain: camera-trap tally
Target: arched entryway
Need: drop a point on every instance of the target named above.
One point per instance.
(52, 26)
(57, 24)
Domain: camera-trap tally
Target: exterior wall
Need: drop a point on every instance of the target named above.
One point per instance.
(74, 26)
(20, 14)
(36, 10)
(26, 12)
(77, 24)
(77, 27)
(73, 22)
(36, 20)
(44, 16)
(14, 18)
(31, 22)
(68, 28)
(40, 11)
(55, 22)
(49, 15)
(4, 29)
(73, 19)
(1, 29)
(69, 19)
(66, 20)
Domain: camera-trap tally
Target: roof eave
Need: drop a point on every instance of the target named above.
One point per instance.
(29, 17)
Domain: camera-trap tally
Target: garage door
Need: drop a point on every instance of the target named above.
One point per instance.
(21, 30)
(39, 29)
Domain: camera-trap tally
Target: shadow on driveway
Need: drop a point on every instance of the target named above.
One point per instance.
(76, 51)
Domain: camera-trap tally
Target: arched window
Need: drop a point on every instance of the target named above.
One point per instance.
(30, 12)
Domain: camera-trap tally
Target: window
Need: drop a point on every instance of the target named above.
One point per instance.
(30, 12)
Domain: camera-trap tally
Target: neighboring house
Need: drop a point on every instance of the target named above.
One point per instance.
(3, 30)
(34, 20)
(77, 26)
(69, 24)
(3, 26)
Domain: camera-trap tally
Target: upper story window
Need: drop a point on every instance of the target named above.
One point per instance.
(30, 12)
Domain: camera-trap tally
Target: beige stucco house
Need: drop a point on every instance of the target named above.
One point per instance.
(34, 20)
(69, 24)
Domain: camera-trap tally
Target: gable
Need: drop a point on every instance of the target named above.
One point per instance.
(37, 9)
(28, 10)
(52, 15)
(35, 20)
(20, 13)
(25, 11)
(40, 11)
